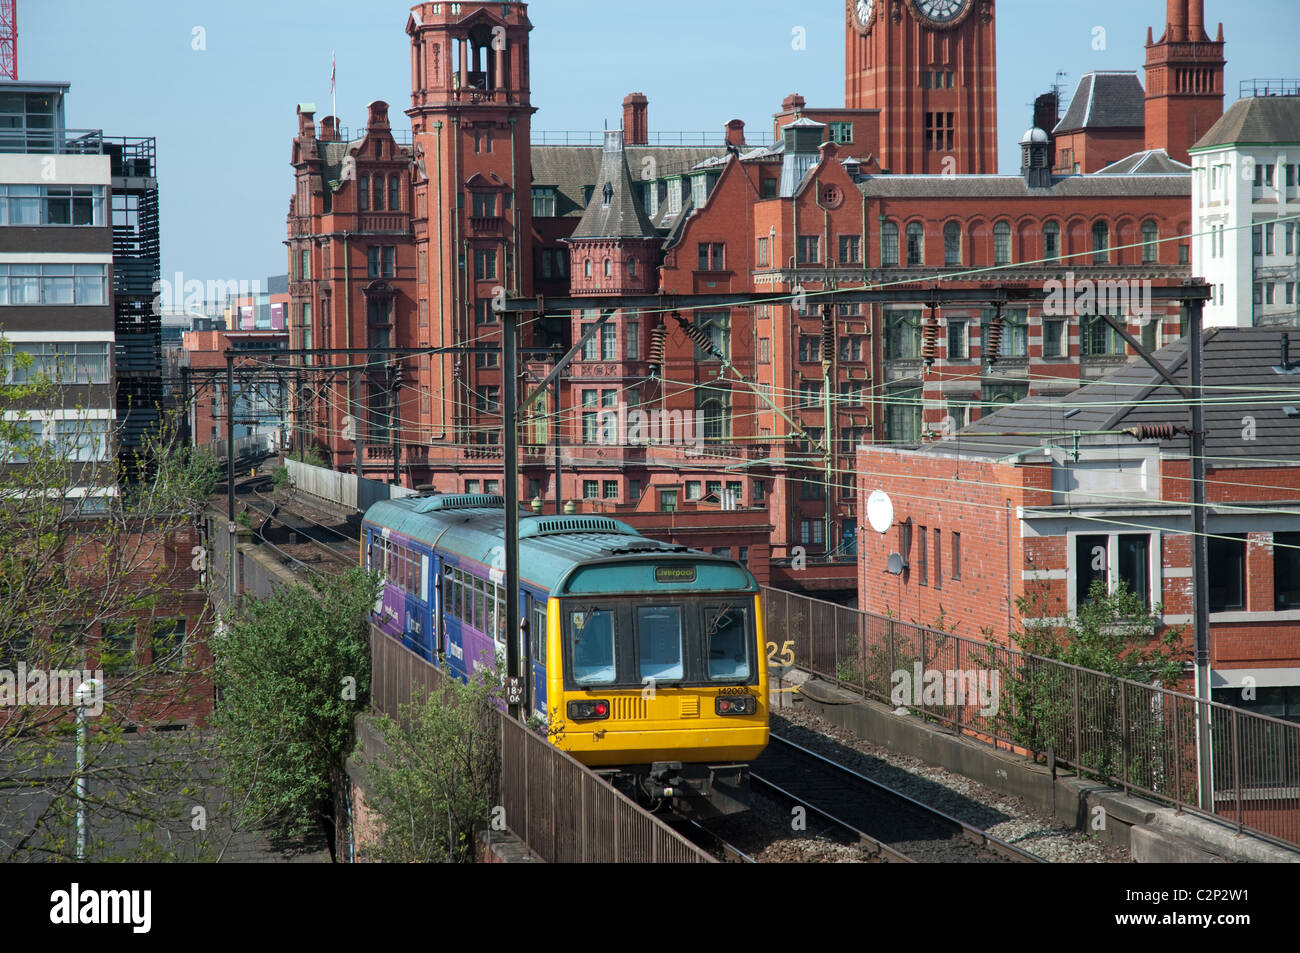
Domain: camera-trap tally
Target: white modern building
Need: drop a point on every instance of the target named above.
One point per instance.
(1246, 209)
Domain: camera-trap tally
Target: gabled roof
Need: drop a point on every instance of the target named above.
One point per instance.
(1238, 375)
(1257, 120)
(614, 210)
(1150, 162)
(1105, 100)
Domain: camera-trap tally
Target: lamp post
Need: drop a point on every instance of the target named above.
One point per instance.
(86, 692)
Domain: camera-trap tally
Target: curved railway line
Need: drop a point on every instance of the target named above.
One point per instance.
(889, 824)
(297, 530)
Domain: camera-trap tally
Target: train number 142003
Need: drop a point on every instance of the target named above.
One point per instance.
(782, 656)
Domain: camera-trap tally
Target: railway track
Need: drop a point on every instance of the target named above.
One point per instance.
(887, 823)
(296, 529)
(710, 840)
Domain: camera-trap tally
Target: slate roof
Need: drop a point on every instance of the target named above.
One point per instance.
(569, 168)
(1150, 162)
(1239, 378)
(1259, 119)
(614, 210)
(1015, 186)
(1105, 100)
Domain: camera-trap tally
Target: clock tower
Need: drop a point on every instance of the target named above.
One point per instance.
(930, 67)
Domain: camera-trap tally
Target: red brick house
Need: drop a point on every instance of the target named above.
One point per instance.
(996, 512)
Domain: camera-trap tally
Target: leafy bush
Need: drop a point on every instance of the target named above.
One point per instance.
(437, 783)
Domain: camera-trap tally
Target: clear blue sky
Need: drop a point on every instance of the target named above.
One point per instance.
(224, 116)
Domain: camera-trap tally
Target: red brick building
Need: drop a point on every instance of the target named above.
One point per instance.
(474, 209)
(261, 400)
(1111, 116)
(993, 514)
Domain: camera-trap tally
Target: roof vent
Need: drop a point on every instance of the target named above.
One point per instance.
(464, 501)
(565, 525)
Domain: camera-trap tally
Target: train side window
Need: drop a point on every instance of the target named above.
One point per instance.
(728, 642)
(659, 642)
(592, 634)
(480, 605)
(539, 632)
(448, 594)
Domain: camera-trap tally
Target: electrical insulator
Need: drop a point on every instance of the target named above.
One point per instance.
(828, 335)
(993, 339)
(1153, 431)
(930, 340)
(658, 335)
(697, 336)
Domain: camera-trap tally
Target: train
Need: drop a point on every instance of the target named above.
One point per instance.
(644, 660)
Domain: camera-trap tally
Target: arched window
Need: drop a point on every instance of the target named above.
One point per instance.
(888, 245)
(1150, 236)
(1100, 243)
(1051, 241)
(394, 193)
(1001, 244)
(716, 414)
(363, 193)
(586, 270)
(609, 268)
(379, 193)
(915, 244)
(631, 267)
(952, 244)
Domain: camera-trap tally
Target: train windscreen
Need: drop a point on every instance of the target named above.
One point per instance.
(633, 642)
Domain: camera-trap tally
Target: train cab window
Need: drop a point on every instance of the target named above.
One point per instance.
(592, 631)
(659, 637)
(728, 642)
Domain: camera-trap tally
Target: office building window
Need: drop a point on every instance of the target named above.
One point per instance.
(952, 244)
(850, 249)
(53, 284)
(888, 245)
(1054, 337)
(1286, 571)
(957, 341)
(1227, 571)
(915, 244)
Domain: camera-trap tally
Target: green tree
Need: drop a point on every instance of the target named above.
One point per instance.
(436, 783)
(1112, 634)
(293, 671)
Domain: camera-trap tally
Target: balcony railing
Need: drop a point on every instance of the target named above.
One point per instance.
(70, 142)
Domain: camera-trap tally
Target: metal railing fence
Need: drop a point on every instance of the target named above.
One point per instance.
(560, 808)
(1138, 736)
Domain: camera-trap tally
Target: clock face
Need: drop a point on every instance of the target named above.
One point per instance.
(864, 12)
(942, 12)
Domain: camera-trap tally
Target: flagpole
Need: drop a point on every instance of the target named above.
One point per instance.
(333, 87)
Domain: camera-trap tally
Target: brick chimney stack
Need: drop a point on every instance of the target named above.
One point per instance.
(736, 133)
(636, 123)
(329, 130)
(306, 121)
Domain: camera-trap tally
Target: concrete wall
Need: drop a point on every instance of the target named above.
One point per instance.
(1153, 834)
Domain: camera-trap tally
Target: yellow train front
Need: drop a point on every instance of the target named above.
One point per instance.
(656, 672)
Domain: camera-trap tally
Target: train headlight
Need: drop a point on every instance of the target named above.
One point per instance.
(736, 705)
(593, 710)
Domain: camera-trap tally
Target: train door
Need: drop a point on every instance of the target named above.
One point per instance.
(537, 654)
(417, 606)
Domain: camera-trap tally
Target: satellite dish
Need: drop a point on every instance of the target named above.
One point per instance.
(894, 566)
(880, 511)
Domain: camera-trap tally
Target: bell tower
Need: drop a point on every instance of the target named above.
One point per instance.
(470, 120)
(930, 67)
(1184, 80)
